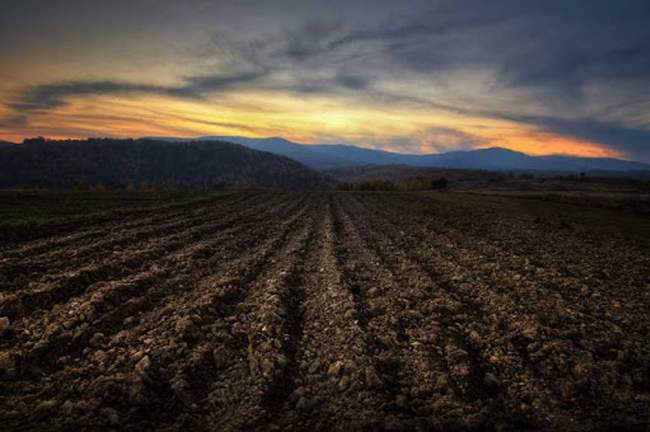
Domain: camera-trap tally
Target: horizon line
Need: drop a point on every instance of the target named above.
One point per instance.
(214, 137)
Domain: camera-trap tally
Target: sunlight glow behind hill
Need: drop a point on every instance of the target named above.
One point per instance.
(423, 77)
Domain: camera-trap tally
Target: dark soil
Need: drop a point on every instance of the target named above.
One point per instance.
(324, 311)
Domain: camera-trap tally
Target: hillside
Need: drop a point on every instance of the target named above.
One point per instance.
(327, 156)
(115, 162)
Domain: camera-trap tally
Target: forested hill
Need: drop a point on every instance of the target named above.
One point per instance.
(120, 162)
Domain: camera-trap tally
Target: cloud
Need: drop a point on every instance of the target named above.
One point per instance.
(45, 97)
(352, 81)
(556, 65)
(50, 96)
(440, 139)
(634, 143)
(198, 86)
(13, 121)
(434, 140)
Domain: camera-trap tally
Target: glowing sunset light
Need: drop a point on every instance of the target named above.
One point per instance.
(419, 78)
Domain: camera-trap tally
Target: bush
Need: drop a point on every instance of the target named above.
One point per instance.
(440, 183)
(82, 187)
(145, 186)
(100, 186)
(372, 185)
(422, 184)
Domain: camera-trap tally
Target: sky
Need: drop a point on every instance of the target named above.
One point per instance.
(543, 77)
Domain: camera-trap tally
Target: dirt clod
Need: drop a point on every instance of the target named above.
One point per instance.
(325, 311)
(5, 325)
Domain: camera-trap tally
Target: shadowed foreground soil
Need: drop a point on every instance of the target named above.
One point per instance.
(343, 311)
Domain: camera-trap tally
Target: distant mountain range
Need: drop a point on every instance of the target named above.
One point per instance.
(114, 162)
(327, 156)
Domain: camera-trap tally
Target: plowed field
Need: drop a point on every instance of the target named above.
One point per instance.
(324, 311)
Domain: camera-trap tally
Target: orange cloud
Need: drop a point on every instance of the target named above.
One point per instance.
(308, 119)
(543, 143)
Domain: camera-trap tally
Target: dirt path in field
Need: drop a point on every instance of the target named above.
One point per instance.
(324, 311)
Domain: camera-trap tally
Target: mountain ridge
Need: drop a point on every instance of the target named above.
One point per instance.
(328, 156)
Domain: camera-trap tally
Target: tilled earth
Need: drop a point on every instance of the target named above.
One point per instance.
(324, 311)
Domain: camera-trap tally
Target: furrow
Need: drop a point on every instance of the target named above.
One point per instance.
(24, 270)
(74, 283)
(201, 335)
(335, 383)
(535, 327)
(272, 319)
(78, 233)
(516, 254)
(82, 309)
(446, 355)
(204, 299)
(476, 321)
(404, 335)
